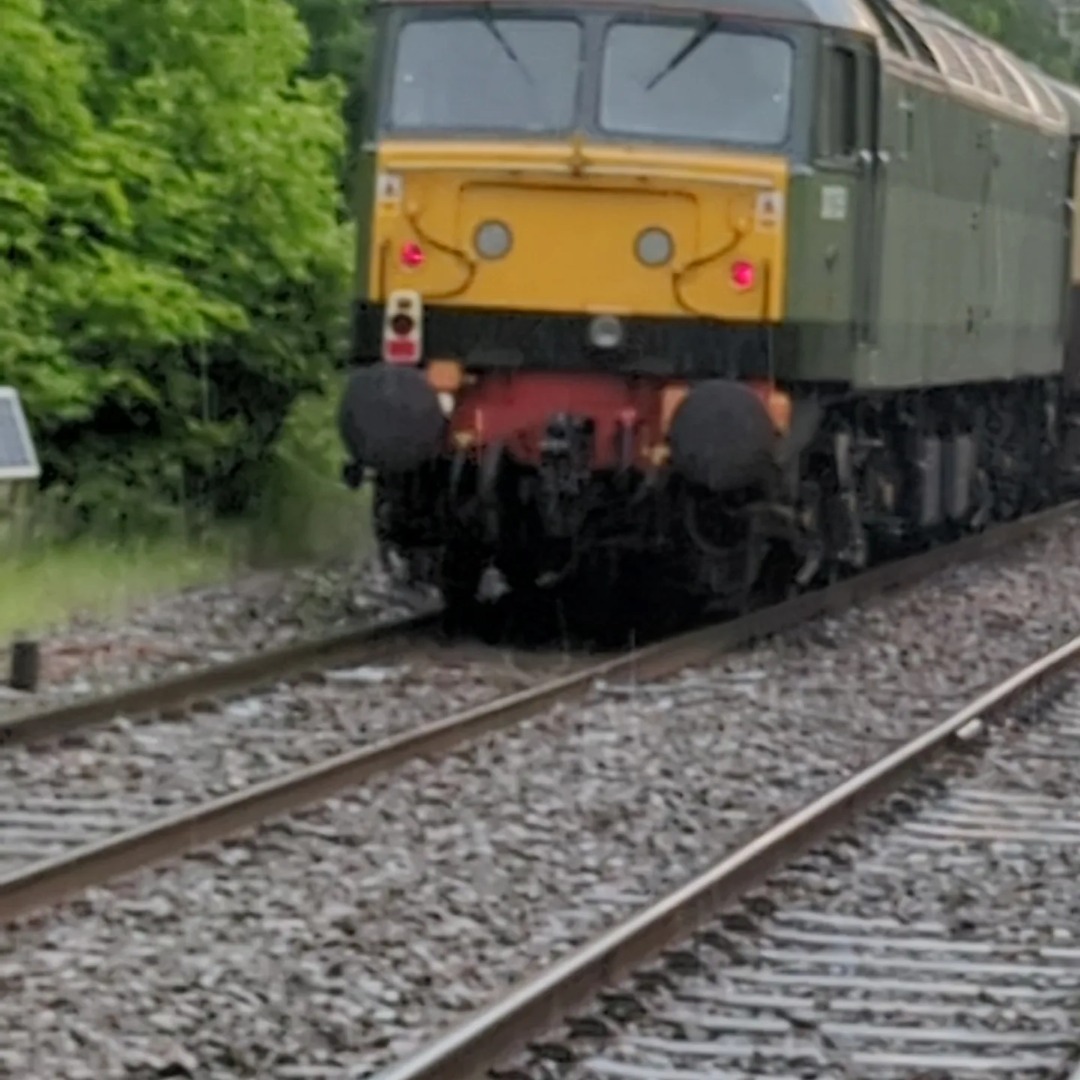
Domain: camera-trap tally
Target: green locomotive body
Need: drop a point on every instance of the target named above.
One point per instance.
(817, 296)
(928, 225)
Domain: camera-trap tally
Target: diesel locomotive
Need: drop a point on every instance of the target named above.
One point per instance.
(697, 293)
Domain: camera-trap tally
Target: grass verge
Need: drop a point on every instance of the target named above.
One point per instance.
(304, 514)
(43, 587)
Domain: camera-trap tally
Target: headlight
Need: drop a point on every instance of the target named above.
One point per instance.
(606, 332)
(654, 247)
(492, 240)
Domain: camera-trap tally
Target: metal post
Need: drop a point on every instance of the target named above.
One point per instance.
(25, 665)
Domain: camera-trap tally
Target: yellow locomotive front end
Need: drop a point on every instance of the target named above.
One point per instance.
(579, 228)
(507, 174)
(573, 219)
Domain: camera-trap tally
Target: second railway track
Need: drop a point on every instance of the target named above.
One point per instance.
(933, 939)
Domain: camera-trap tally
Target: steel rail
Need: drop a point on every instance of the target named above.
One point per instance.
(48, 882)
(174, 692)
(540, 1004)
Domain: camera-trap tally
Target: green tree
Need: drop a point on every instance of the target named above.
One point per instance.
(340, 34)
(175, 257)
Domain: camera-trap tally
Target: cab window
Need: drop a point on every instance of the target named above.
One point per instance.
(839, 123)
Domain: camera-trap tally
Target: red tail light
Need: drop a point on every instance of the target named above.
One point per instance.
(412, 255)
(743, 275)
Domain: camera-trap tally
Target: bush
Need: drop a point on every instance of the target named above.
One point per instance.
(175, 259)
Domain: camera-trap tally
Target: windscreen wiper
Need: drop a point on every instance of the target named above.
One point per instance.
(706, 27)
(489, 20)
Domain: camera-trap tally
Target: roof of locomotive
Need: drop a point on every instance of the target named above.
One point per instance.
(842, 14)
(974, 67)
(1070, 98)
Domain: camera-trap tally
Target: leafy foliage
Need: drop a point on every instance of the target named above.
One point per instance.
(340, 43)
(339, 36)
(175, 261)
(174, 257)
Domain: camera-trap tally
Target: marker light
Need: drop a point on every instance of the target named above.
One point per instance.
(492, 240)
(403, 328)
(401, 351)
(412, 255)
(742, 275)
(654, 247)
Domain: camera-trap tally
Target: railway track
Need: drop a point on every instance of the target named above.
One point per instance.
(134, 773)
(92, 838)
(174, 693)
(934, 938)
(99, 793)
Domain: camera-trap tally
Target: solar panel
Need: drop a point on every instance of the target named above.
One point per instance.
(18, 458)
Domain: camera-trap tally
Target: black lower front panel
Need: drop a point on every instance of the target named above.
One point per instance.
(500, 339)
